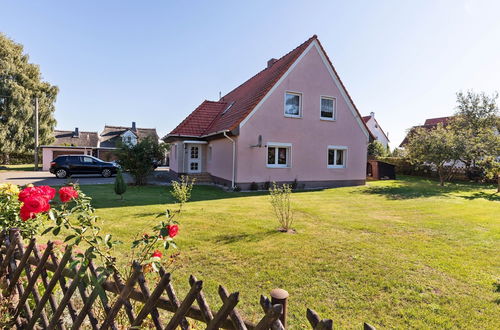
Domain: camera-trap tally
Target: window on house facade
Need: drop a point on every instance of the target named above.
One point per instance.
(328, 105)
(278, 155)
(337, 157)
(293, 104)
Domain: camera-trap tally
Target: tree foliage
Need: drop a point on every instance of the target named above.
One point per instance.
(439, 147)
(377, 149)
(138, 159)
(20, 83)
(476, 123)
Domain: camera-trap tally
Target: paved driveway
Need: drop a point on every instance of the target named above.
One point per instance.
(160, 176)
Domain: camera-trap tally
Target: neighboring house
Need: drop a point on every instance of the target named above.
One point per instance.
(428, 124)
(70, 142)
(91, 143)
(294, 120)
(112, 136)
(376, 130)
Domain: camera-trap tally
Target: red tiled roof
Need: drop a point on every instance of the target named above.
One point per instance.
(429, 124)
(366, 118)
(198, 122)
(435, 121)
(210, 117)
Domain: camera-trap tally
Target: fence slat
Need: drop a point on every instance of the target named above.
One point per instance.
(104, 302)
(238, 322)
(266, 305)
(64, 287)
(271, 316)
(185, 305)
(224, 311)
(126, 303)
(316, 322)
(173, 298)
(31, 283)
(14, 238)
(49, 289)
(150, 303)
(124, 294)
(87, 309)
(11, 247)
(36, 294)
(44, 276)
(202, 302)
(20, 267)
(65, 301)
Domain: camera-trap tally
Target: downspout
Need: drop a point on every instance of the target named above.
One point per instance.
(234, 158)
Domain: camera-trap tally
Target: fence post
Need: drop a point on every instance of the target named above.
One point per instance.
(280, 296)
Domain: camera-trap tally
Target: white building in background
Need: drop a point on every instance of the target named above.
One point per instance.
(376, 130)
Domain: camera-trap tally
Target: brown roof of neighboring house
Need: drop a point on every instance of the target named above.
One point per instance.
(70, 138)
(428, 124)
(110, 133)
(226, 114)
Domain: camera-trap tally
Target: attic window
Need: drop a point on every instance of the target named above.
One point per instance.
(228, 107)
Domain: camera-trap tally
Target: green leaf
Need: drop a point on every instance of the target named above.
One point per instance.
(47, 230)
(70, 237)
(56, 231)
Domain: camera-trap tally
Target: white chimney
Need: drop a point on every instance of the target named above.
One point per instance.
(372, 114)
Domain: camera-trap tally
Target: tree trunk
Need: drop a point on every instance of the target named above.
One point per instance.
(441, 177)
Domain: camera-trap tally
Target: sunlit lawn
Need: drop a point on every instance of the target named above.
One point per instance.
(17, 167)
(396, 254)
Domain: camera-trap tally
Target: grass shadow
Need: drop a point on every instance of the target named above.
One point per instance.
(245, 237)
(484, 195)
(413, 187)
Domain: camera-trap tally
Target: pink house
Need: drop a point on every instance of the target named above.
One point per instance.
(294, 120)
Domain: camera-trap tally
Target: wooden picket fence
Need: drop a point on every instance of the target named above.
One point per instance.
(43, 291)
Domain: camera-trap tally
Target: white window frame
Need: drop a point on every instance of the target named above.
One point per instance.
(300, 104)
(277, 145)
(344, 148)
(334, 107)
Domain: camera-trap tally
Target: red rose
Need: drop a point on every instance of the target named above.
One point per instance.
(27, 192)
(67, 193)
(157, 254)
(36, 204)
(172, 230)
(48, 192)
(26, 214)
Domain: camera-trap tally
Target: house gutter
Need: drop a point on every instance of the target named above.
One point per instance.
(234, 158)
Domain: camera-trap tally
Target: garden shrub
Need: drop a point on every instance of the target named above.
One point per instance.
(254, 186)
(281, 203)
(120, 185)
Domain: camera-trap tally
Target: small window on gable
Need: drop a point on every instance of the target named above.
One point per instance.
(278, 155)
(337, 157)
(293, 104)
(328, 105)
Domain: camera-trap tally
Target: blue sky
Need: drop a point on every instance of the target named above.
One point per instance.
(153, 62)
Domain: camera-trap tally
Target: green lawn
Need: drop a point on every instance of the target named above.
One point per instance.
(18, 167)
(396, 254)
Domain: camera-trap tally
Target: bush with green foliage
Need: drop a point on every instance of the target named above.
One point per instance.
(138, 159)
(181, 190)
(377, 149)
(120, 185)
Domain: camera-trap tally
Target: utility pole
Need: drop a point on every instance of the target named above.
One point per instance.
(36, 133)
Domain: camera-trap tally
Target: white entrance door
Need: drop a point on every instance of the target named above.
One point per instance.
(194, 158)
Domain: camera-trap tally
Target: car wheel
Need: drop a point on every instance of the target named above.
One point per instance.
(61, 173)
(106, 173)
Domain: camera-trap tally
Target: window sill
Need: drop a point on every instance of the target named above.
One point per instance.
(292, 116)
(278, 166)
(327, 119)
(336, 166)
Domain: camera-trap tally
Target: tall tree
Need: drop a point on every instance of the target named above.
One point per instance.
(439, 147)
(476, 122)
(20, 83)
